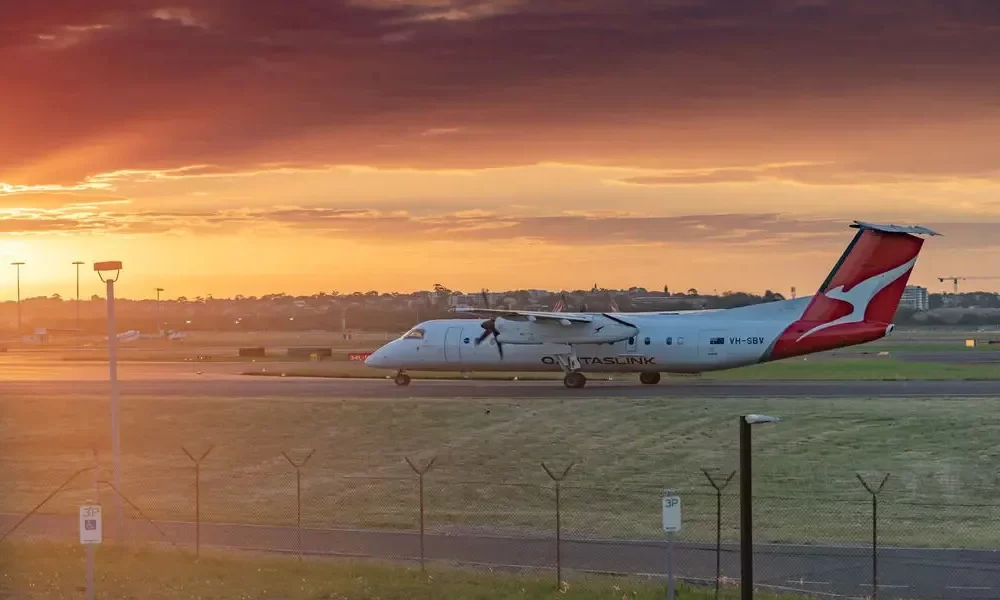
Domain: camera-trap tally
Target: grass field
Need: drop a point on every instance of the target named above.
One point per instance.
(488, 475)
(44, 571)
(942, 454)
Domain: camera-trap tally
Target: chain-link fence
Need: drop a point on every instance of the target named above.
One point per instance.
(837, 544)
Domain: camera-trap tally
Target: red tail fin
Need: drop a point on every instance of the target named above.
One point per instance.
(859, 298)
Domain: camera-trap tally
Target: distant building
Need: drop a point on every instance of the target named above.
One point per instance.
(915, 297)
(467, 300)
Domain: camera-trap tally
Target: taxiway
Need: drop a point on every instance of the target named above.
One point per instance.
(172, 380)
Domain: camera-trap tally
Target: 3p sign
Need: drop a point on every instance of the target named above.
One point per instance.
(90, 524)
(671, 513)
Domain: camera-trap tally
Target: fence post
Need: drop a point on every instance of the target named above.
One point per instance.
(874, 494)
(197, 497)
(298, 494)
(558, 520)
(420, 477)
(718, 524)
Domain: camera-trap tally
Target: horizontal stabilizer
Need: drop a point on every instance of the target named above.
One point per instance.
(894, 228)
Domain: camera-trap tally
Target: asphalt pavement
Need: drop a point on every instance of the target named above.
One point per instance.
(188, 383)
(826, 570)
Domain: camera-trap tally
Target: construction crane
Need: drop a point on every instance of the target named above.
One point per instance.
(954, 280)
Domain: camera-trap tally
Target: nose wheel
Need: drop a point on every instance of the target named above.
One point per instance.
(575, 380)
(402, 379)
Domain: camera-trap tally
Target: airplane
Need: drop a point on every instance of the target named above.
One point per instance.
(855, 305)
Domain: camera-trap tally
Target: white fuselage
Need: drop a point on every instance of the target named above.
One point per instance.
(682, 342)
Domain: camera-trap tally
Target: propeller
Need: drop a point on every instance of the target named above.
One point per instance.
(490, 327)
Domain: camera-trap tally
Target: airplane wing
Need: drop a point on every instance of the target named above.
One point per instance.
(530, 315)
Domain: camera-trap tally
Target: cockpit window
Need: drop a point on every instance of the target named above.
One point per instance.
(416, 333)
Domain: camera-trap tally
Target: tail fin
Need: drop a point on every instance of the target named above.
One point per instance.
(870, 275)
(861, 294)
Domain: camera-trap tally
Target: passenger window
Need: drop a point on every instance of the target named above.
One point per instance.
(414, 334)
(646, 341)
(680, 341)
(670, 341)
(631, 341)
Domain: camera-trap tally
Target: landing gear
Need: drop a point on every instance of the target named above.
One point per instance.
(570, 364)
(649, 378)
(574, 380)
(402, 379)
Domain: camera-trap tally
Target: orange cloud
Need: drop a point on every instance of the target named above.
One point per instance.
(723, 232)
(822, 174)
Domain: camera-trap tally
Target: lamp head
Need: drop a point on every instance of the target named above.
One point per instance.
(754, 419)
(108, 265)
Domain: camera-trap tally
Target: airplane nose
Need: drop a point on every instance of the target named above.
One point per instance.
(376, 359)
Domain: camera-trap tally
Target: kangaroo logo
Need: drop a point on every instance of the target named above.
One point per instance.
(860, 296)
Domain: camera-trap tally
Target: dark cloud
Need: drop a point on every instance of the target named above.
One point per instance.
(128, 84)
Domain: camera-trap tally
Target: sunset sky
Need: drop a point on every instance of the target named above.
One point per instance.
(247, 147)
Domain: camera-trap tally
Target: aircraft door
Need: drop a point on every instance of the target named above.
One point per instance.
(712, 344)
(453, 345)
(630, 344)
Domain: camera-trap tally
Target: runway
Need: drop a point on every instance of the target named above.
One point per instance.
(160, 384)
(824, 570)
(25, 377)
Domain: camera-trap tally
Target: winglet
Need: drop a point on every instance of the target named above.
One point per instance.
(894, 228)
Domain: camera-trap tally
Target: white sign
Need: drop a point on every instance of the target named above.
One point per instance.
(671, 513)
(90, 524)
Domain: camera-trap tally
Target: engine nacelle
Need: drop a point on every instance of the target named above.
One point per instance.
(600, 330)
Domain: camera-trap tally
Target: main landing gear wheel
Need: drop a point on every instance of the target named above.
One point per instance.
(649, 378)
(402, 379)
(574, 380)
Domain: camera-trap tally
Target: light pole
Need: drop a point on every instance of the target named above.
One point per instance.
(159, 323)
(18, 264)
(78, 263)
(746, 504)
(100, 267)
